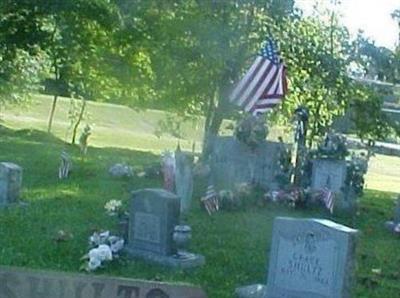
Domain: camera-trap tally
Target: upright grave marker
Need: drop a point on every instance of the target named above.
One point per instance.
(10, 183)
(311, 258)
(154, 213)
(233, 162)
(184, 178)
(330, 174)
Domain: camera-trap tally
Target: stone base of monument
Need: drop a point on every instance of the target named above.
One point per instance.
(252, 291)
(189, 261)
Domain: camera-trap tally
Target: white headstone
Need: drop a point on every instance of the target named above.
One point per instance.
(311, 258)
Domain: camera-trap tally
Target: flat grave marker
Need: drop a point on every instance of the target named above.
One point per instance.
(23, 283)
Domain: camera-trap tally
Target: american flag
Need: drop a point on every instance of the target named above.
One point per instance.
(210, 200)
(264, 85)
(65, 165)
(328, 197)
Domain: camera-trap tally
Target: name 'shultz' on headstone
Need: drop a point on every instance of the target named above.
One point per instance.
(18, 283)
(311, 258)
(233, 162)
(10, 183)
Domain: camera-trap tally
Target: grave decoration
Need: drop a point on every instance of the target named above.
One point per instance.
(10, 183)
(155, 232)
(83, 139)
(116, 209)
(308, 258)
(65, 165)
(394, 225)
(120, 170)
(103, 247)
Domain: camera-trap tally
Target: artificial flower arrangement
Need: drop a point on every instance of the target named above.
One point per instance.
(104, 247)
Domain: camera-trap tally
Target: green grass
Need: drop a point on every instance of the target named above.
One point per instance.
(235, 244)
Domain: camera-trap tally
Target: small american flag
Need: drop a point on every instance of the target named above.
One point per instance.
(65, 165)
(329, 199)
(264, 85)
(210, 200)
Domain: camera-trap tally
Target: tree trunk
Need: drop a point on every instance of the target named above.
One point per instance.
(53, 109)
(75, 130)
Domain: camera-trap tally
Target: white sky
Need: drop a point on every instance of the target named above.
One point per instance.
(372, 16)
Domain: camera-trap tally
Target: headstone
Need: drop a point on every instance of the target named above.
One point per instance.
(10, 183)
(233, 162)
(184, 179)
(22, 283)
(168, 170)
(154, 213)
(311, 258)
(330, 174)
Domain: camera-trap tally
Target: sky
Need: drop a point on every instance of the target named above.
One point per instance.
(372, 16)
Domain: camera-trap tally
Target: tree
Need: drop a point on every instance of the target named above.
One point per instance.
(194, 66)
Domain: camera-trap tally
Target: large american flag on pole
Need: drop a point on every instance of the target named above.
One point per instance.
(264, 85)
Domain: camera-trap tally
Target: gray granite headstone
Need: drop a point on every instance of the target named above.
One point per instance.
(327, 173)
(311, 258)
(154, 213)
(10, 183)
(24, 283)
(184, 178)
(233, 162)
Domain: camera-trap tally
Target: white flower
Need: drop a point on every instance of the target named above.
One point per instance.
(94, 254)
(93, 264)
(94, 240)
(113, 206)
(104, 252)
(104, 237)
(117, 245)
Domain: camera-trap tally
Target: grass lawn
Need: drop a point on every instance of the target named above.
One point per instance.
(235, 244)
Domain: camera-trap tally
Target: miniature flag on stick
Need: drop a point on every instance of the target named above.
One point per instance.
(65, 165)
(210, 200)
(264, 85)
(328, 197)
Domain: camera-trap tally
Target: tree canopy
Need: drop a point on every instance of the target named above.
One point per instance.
(185, 56)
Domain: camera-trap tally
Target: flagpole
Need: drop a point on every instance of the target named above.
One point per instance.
(301, 114)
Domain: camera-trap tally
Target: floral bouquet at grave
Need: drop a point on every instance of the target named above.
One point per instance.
(243, 195)
(115, 208)
(293, 198)
(104, 248)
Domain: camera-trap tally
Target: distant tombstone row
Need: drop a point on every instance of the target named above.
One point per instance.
(10, 183)
(309, 258)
